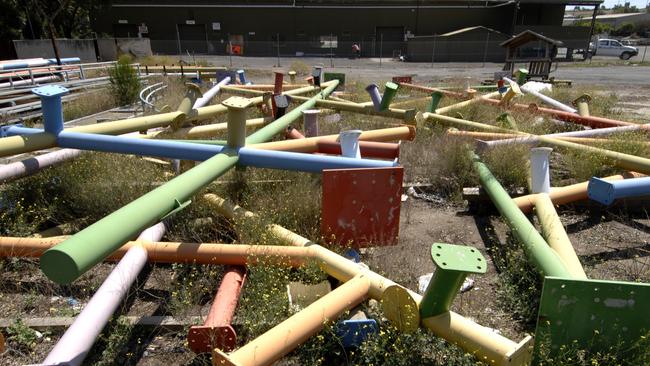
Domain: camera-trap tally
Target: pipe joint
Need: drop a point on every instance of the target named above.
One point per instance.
(51, 104)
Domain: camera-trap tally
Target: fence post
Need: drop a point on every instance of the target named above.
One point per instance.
(645, 49)
(278, 44)
(485, 50)
(433, 51)
(331, 56)
(230, 51)
(381, 47)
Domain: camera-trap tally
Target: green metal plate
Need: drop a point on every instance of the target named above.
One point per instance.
(335, 76)
(592, 315)
(458, 258)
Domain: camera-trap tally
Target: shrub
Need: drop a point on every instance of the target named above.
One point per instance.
(125, 83)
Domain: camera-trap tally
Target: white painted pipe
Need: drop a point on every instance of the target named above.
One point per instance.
(75, 343)
(29, 81)
(373, 90)
(310, 122)
(582, 133)
(548, 100)
(540, 174)
(350, 143)
(200, 102)
(30, 166)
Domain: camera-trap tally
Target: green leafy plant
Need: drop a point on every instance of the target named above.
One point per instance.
(125, 83)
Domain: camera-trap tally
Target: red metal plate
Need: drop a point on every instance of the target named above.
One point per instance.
(361, 207)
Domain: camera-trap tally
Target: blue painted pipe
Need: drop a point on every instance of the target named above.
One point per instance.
(200, 152)
(242, 77)
(51, 106)
(606, 192)
(125, 145)
(68, 60)
(16, 130)
(304, 162)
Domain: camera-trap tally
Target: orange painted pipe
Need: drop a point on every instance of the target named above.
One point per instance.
(310, 144)
(286, 336)
(591, 121)
(168, 252)
(217, 331)
(369, 149)
(568, 194)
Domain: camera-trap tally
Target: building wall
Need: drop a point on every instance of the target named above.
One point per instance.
(479, 45)
(300, 29)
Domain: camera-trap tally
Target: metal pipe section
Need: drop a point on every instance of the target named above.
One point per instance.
(447, 93)
(310, 122)
(50, 96)
(375, 97)
(462, 104)
(289, 334)
(475, 339)
(205, 130)
(606, 192)
(540, 174)
(217, 331)
(236, 121)
(556, 237)
(407, 115)
(369, 149)
(73, 347)
(545, 98)
(277, 85)
(205, 99)
(169, 252)
(594, 122)
(13, 171)
(567, 194)
(621, 160)
(390, 90)
(70, 259)
(536, 248)
(350, 143)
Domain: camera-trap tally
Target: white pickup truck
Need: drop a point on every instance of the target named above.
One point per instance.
(611, 47)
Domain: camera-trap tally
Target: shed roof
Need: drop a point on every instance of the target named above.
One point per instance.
(527, 36)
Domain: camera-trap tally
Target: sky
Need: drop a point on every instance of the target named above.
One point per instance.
(638, 3)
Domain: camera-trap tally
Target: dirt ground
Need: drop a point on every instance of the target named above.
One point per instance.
(613, 245)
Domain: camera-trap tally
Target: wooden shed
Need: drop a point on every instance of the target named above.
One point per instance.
(536, 51)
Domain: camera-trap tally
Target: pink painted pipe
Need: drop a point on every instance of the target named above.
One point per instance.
(217, 331)
(75, 343)
(19, 169)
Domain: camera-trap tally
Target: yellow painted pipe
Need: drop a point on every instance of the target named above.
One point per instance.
(409, 102)
(407, 115)
(498, 136)
(458, 122)
(286, 336)
(453, 107)
(621, 160)
(487, 346)
(310, 144)
(556, 236)
(567, 194)
(173, 252)
(403, 310)
(205, 130)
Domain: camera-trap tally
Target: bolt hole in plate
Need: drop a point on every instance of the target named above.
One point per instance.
(457, 258)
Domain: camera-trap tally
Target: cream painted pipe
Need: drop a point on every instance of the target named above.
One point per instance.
(567, 194)
(310, 144)
(556, 236)
(205, 130)
(465, 103)
(408, 102)
(286, 336)
(496, 135)
(544, 98)
(480, 341)
(403, 114)
(540, 173)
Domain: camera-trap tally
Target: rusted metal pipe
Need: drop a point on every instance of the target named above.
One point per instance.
(369, 149)
(217, 330)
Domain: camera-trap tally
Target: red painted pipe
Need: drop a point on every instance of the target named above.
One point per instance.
(591, 121)
(217, 331)
(277, 89)
(369, 149)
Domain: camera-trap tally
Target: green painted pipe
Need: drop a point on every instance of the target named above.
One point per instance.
(389, 93)
(522, 75)
(70, 259)
(536, 248)
(436, 96)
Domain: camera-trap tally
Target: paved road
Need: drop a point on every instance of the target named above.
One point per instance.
(374, 69)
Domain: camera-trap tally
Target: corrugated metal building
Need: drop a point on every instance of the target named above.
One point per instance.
(315, 27)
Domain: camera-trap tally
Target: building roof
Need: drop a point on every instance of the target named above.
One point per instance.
(527, 36)
(336, 3)
(617, 16)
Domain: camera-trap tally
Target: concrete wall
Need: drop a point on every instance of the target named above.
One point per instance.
(111, 48)
(82, 48)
